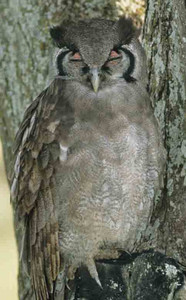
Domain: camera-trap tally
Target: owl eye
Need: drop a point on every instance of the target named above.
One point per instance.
(76, 56)
(114, 55)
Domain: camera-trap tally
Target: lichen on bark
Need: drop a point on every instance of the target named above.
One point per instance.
(164, 35)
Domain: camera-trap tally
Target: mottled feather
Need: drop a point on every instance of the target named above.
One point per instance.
(37, 156)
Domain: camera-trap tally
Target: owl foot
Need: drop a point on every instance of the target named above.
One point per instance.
(71, 272)
(107, 254)
(70, 275)
(93, 271)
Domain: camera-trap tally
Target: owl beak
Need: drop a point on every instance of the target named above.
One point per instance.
(94, 79)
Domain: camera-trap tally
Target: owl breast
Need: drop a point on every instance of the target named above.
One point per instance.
(105, 188)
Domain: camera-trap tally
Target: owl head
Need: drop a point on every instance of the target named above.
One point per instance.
(99, 52)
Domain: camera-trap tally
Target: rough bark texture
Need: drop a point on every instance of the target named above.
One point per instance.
(150, 275)
(165, 43)
(24, 53)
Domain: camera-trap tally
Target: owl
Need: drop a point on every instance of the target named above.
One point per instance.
(89, 155)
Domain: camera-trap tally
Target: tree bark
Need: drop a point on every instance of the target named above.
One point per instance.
(165, 44)
(25, 51)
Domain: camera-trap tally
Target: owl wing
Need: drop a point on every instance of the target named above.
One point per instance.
(33, 188)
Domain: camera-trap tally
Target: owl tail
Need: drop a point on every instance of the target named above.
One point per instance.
(90, 263)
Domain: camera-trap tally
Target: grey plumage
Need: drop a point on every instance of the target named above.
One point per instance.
(89, 153)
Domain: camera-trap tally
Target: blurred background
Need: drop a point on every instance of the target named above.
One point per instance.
(8, 251)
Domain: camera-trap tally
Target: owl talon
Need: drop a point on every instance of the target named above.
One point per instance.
(66, 284)
(93, 271)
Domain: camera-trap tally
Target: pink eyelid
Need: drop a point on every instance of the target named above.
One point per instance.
(76, 56)
(114, 54)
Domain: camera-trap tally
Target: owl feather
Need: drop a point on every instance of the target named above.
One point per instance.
(33, 188)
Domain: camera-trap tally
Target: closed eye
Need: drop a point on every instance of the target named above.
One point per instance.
(114, 55)
(76, 57)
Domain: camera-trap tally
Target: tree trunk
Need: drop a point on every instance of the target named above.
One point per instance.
(25, 50)
(165, 44)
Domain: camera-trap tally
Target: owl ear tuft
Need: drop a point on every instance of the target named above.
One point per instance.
(57, 34)
(127, 30)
